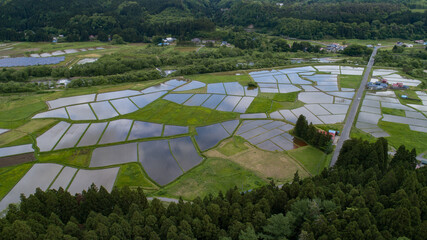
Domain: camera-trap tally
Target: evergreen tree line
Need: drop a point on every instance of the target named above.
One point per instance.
(367, 195)
(313, 136)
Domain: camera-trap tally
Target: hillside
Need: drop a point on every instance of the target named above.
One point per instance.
(137, 21)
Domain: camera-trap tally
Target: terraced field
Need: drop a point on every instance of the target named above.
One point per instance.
(180, 136)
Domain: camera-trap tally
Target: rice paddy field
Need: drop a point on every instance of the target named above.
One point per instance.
(191, 136)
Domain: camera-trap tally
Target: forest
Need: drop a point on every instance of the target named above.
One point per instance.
(140, 20)
(366, 195)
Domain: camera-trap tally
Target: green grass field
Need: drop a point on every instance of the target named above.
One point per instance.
(260, 105)
(268, 102)
(9, 176)
(131, 175)
(401, 134)
(392, 111)
(71, 157)
(235, 145)
(285, 97)
(349, 81)
(163, 111)
(210, 177)
(311, 158)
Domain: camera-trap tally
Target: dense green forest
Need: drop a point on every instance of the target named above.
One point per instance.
(138, 21)
(367, 195)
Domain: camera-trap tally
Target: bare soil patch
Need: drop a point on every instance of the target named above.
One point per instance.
(17, 159)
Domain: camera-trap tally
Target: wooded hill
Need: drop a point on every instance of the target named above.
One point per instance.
(137, 21)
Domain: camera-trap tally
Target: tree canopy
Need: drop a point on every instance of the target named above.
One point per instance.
(367, 195)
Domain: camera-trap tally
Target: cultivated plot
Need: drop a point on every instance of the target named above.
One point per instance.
(117, 131)
(39, 176)
(158, 162)
(104, 110)
(145, 130)
(64, 178)
(92, 134)
(85, 178)
(112, 155)
(61, 102)
(266, 134)
(81, 112)
(72, 136)
(15, 150)
(190, 86)
(29, 61)
(174, 130)
(116, 94)
(209, 136)
(184, 152)
(144, 100)
(48, 140)
(56, 113)
(371, 112)
(124, 106)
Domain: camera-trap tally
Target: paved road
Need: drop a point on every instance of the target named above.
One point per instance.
(345, 134)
